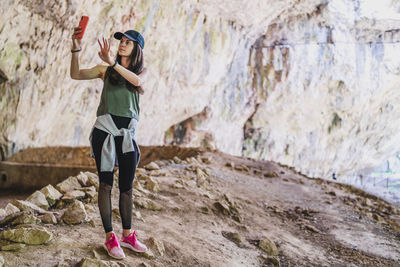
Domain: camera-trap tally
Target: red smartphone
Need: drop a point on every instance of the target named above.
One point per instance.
(83, 23)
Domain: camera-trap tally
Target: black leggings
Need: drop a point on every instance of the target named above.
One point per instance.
(127, 167)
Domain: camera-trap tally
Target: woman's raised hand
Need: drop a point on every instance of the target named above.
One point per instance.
(104, 53)
(76, 42)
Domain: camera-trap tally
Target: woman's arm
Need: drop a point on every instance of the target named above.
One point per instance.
(84, 74)
(135, 79)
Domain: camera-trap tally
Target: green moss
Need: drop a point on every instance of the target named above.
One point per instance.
(336, 122)
(104, 11)
(11, 55)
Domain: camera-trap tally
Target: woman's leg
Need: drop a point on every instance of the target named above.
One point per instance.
(106, 183)
(127, 169)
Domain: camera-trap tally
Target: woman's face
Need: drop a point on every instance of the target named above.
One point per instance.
(125, 47)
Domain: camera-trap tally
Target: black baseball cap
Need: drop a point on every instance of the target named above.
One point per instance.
(131, 34)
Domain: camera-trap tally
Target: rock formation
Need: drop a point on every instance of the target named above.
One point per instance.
(309, 83)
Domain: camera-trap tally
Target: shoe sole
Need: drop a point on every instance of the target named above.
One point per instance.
(126, 245)
(105, 247)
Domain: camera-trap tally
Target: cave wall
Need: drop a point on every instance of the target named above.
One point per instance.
(308, 83)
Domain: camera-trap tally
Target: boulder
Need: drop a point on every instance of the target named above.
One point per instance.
(30, 236)
(26, 205)
(69, 184)
(75, 213)
(39, 199)
(48, 218)
(156, 245)
(93, 180)
(51, 194)
(10, 209)
(147, 204)
(152, 166)
(12, 247)
(269, 247)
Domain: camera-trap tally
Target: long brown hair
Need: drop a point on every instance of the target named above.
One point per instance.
(135, 65)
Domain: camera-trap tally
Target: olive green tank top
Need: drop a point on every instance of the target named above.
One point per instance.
(118, 100)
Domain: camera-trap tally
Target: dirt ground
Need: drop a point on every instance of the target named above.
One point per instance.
(313, 222)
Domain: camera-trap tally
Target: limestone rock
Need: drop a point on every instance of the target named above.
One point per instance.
(13, 247)
(156, 245)
(51, 194)
(93, 180)
(152, 166)
(1, 261)
(227, 207)
(233, 236)
(26, 205)
(74, 194)
(25, 219)
(48, 218)
(3, 213)
(241, 168)
(147, 204)
(30, 236)
(75, 213)
(177, 160)
(87, 262)
(148, 254)
(83, 179)
(268, 246)
(270, 175)
(10, 209)
(69, 184)
(39, 199)
(152, 185)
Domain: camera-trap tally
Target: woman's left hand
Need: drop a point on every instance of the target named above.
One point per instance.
(104, 53)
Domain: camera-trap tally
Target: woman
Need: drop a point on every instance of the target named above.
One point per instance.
(112, 140)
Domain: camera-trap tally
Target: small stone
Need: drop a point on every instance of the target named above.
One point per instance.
(152, 166)
(86, 262)
(368, 202)
(25, 219)
(230, 164)
(83, 179)
(39, 199)
(1, 261)
(312, 228)
(30, 236)
(69, 184)
(93, 180)
(116, 211)
(26, 205)
(147, 204)
(10, 209)
(92, 224)
(234, 237)
(269, 247)
(241, 168)
(75, 213)
(177, 160)
(74, 194)
(206, 159)
(270, 175)
(156, 245)
(148, 254)
(152, 185)
(51, 194)
(48, 218)
(143, 264)
(13, 247)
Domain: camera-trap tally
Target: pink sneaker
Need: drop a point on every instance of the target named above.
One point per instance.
(132, 243)
(113, 248)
